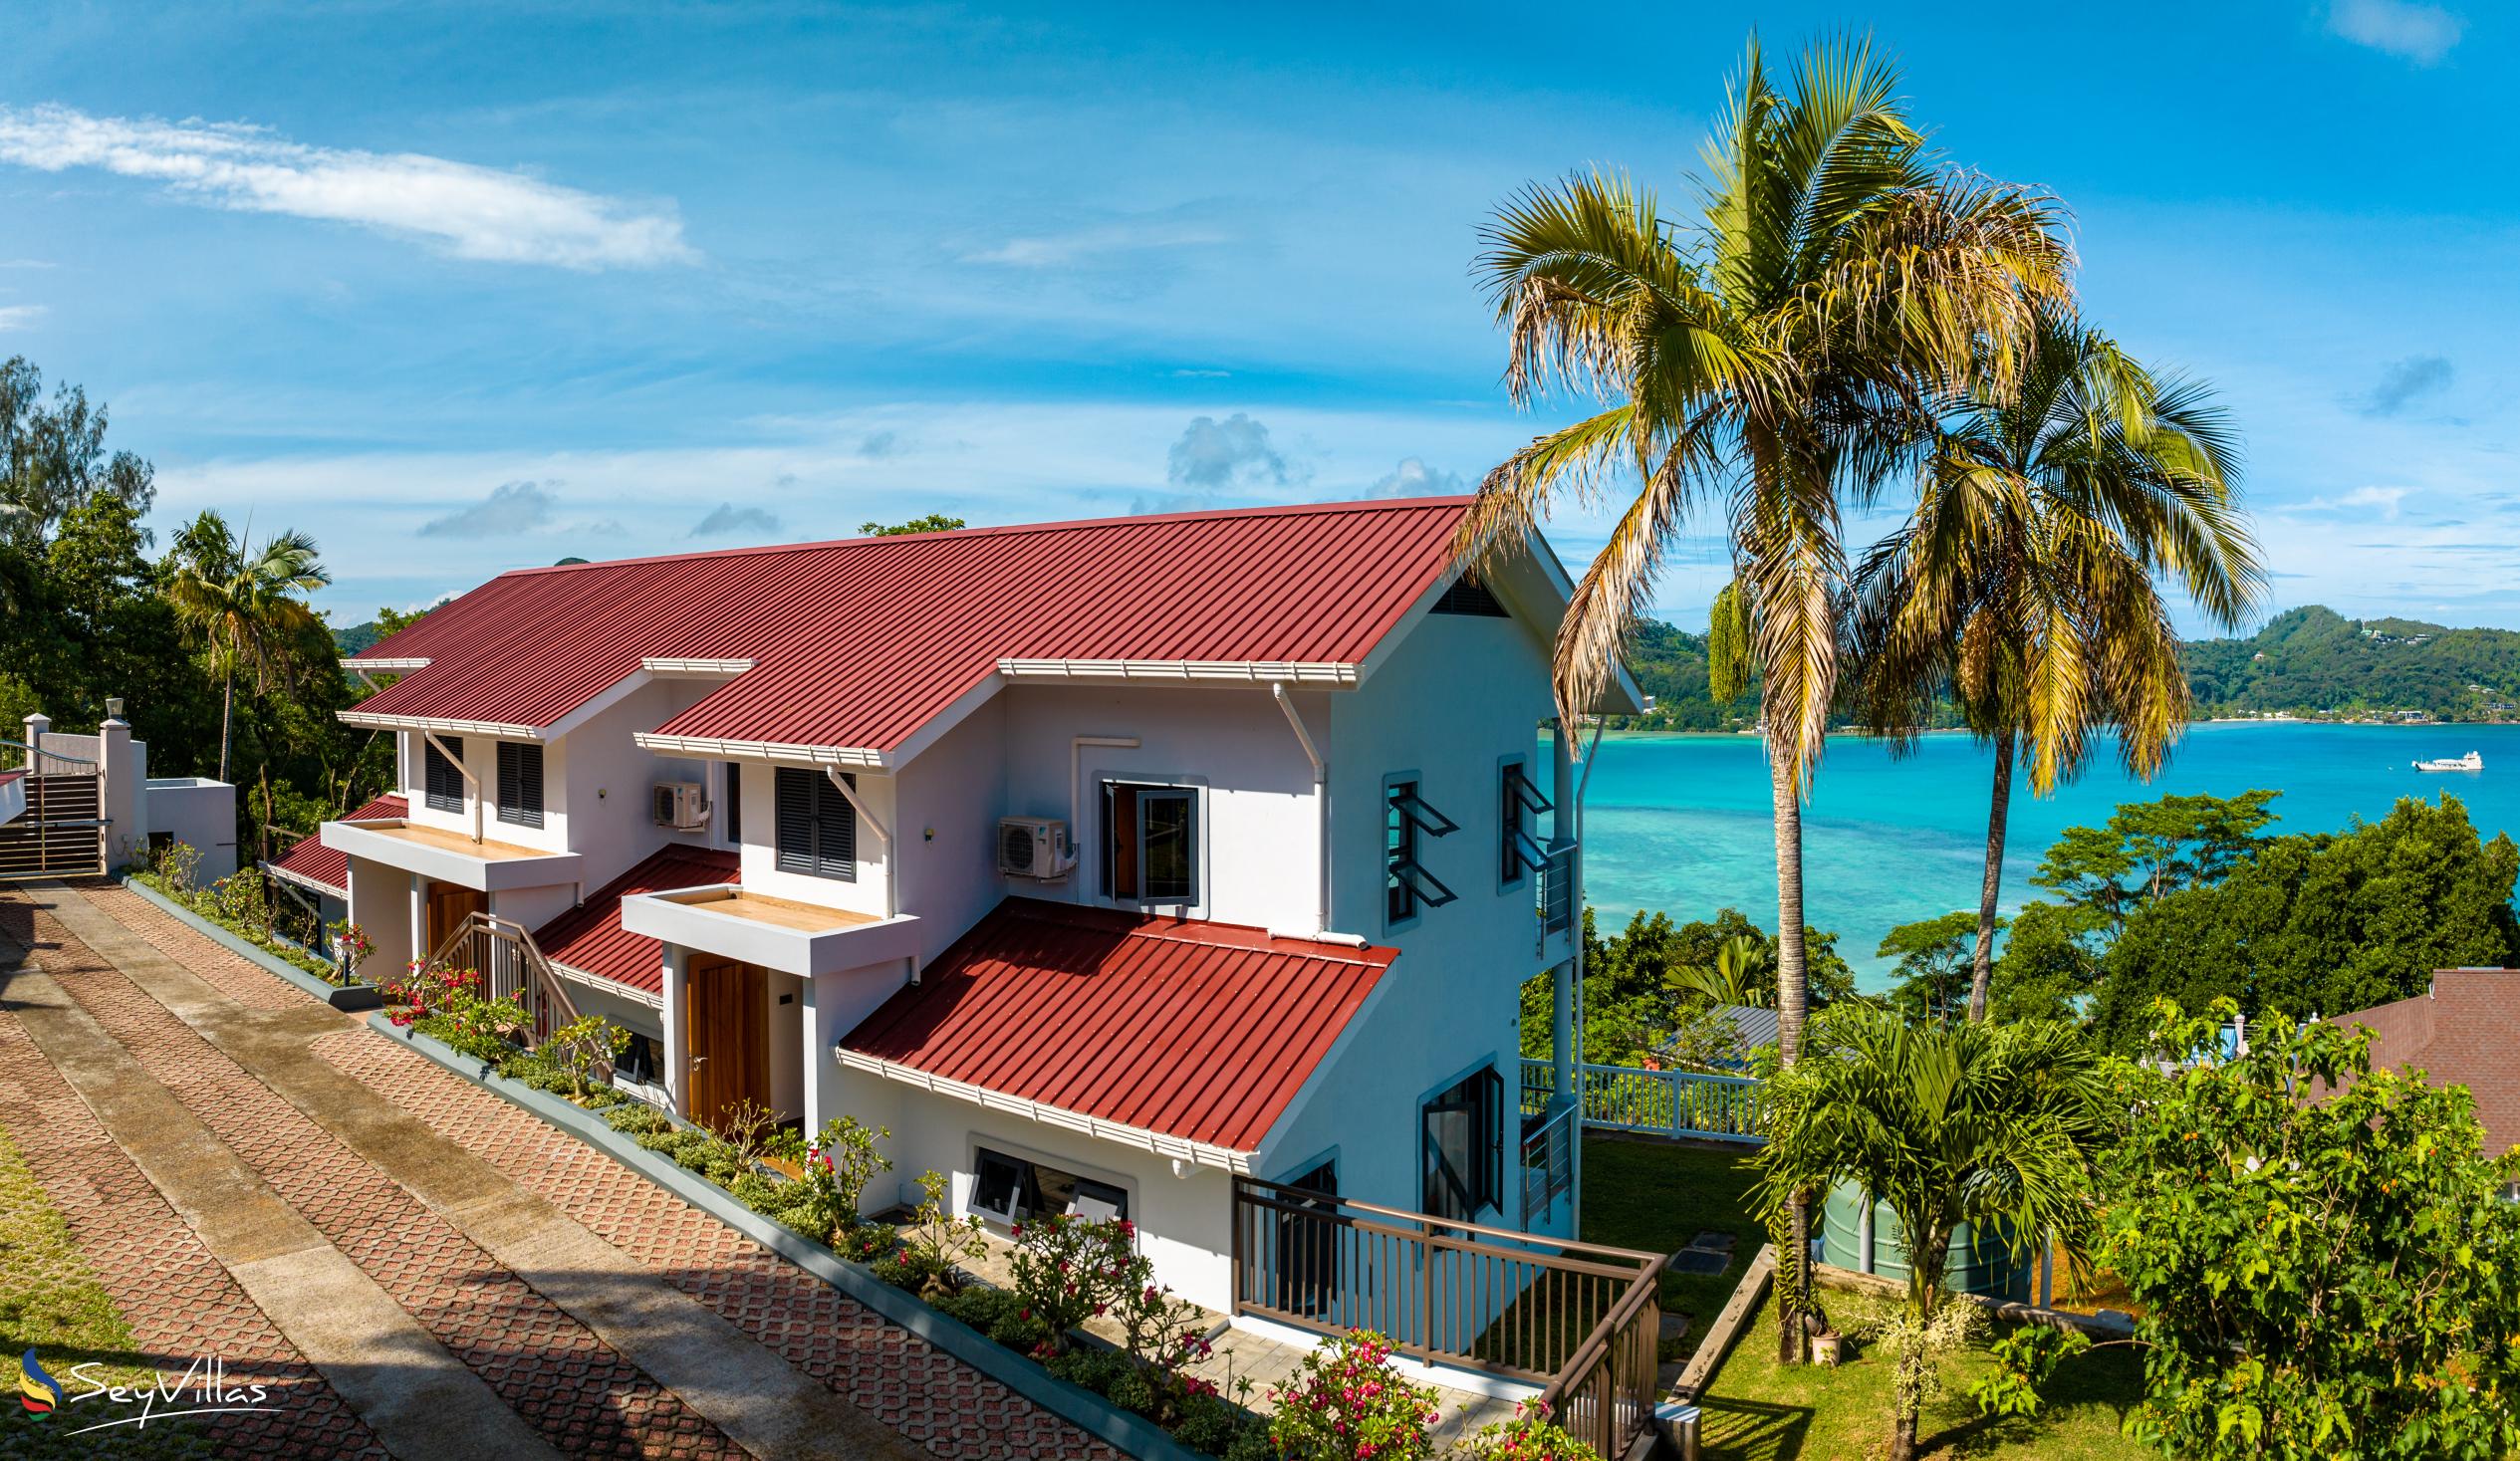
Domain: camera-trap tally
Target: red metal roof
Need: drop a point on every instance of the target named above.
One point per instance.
(1202, 1031)
(590, 938)
(859, 643)
(2463, 1031)
(312, 862)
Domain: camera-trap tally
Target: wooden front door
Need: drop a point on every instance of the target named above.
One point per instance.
(730, 1037)
(449, 905)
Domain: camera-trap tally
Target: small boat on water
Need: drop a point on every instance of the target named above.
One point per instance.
(2469, 761)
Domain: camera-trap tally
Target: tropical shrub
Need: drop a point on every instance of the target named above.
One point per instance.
(581, 1044)
(933, 1246)
(1995, 1125)
(838, 1163)
(1348, 1403)
(2331, 1276)
(1068, 1269)
(1533, 1434)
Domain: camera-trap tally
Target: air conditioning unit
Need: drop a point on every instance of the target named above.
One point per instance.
(1034, 846)
(681, 805)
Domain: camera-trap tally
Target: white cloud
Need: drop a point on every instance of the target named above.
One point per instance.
(727, 518)
(18, 316)
(1414, 478)
(2423, 34)
(2381, 502)
(471, 212)
(511, 507)
(1096, 244)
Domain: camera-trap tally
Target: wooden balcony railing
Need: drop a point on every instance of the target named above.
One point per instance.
(512, 967)
(1548, 1312)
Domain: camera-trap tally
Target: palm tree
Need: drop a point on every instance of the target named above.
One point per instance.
(1993, 1126)
(244, 601)
(1772, 358)
(2027, 579)
(1742, 974)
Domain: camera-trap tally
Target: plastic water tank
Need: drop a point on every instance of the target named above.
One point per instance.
(1977, 1262)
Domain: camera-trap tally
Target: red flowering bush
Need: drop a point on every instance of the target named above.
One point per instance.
(1531, 1435)
(1349, 1404)
(1070, 1268)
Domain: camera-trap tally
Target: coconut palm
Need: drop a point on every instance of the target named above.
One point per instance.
(1770, 358)
(1993, 1126)
(244, 601)
(1742, 974)
(2027, 579)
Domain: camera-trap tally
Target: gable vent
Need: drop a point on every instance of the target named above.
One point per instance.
(1468, 596)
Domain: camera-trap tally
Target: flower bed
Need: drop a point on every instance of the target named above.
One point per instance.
(239, 905)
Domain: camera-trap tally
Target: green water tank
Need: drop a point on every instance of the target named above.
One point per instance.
(1977, 1262)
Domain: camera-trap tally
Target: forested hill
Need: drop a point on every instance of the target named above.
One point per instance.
(2306, 661)
(2317, 661)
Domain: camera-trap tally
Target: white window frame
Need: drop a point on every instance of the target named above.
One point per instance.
(976, 1141)
(1201, 842)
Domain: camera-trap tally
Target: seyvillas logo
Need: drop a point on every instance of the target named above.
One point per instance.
(37, 1391)
(202, 1388)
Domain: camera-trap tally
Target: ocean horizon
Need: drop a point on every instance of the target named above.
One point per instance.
(1679, 823)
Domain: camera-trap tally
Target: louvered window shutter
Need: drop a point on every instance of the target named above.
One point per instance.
(443, 784)
(520, 783)
(818, 828)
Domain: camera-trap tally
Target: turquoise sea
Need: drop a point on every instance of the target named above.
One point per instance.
(1679, 823)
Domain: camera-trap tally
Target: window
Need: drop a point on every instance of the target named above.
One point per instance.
(444, 779)
(1468, 596)
(1519, 805)
(1462, 1132)
(734, 803)
(1013, 1188)
(818, 828)
(1149, 842)
(1406, 885)
(521, 783)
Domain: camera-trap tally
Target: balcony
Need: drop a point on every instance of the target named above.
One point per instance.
(451, 856)
(775, 933)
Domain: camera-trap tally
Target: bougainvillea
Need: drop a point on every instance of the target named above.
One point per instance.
(1348, 1403)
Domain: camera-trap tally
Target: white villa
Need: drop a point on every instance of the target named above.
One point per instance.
(1107, 864)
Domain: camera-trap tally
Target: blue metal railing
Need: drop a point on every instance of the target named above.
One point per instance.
(1665, 1102)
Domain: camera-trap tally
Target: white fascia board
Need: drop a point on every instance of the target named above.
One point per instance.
(1203, 1154)
(291, 875)
(718, 748)
(449, 726)
(946, 719)
(693, 670)
(599, 702)
(1181, 671)
(613, 987)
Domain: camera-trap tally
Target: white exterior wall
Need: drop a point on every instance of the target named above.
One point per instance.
(198, 812)
(380, 904)
(761, 842)
(1183, 1222)
(1456, 695)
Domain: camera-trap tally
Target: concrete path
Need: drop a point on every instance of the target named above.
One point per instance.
(469, 1281)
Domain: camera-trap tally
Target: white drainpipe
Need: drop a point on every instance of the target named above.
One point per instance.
(1076, 796)
(891, 865)
(472, 783)
(1321, 803)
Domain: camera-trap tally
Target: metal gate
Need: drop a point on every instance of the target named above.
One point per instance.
(61, 834)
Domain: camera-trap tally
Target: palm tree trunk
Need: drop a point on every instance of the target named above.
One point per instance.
(227, 718)
(1999, 809)
(1793, 990)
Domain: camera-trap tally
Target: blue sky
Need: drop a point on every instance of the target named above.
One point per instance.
(462, 288)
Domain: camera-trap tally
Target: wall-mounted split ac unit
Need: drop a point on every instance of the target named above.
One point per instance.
(1034, 846)
(681, 805)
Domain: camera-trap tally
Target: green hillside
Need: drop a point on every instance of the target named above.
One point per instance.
(2306, 661)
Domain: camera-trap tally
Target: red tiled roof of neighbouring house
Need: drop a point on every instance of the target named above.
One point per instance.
(590, 938)
(857, 643)
(1198, 1031)
(309, 863)
(2464, 1031)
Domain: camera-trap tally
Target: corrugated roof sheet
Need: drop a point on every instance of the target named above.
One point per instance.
(590, 938)
(1202, 1031)
(317, 865)
(857, 643)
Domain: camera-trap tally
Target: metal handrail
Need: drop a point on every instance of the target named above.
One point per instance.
(1511, 1235)
(544, 982)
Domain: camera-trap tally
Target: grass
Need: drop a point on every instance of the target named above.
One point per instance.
(1658, 1195)
(51, 1303)
(1759, 1410)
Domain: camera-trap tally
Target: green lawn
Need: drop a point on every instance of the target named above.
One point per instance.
(49, 1302)
(1658, 1195)
(1759, 1410)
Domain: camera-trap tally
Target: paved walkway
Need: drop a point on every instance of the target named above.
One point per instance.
(420, 1268)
